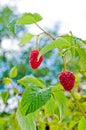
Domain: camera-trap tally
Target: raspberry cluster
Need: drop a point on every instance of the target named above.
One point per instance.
(66, 78)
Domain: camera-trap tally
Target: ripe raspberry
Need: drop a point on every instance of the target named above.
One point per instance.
(33, 59)
(79, 90)
(67, 80)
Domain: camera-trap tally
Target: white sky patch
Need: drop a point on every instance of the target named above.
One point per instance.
(71, 13)
(10, 44)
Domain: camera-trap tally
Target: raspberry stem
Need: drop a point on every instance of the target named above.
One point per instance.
(37, 42)
(64, 59)
(78, 104)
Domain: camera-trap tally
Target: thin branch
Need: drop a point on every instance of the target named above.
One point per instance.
(46, 32)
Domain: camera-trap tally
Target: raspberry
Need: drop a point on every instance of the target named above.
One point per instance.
(67, 80)
(33, 59)
(79, 90)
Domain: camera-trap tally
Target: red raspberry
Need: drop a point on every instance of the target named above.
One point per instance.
(79, 90)
(33, 59)
(67, 80)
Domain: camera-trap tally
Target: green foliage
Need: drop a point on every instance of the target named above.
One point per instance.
(25, 39)
(82, 56)
(50, 106)
(4, 96)
(26, 122)
(7, 81)
(82, 124)
(43, 72)
(13, 72)
(29, 18)
(33, 98)
(6, 15)
(30, 80)
(58, 43)
(61, 102)
(12, 26)
(2, 123)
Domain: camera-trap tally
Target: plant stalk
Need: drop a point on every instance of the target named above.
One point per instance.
(78, 104)
(37, 42)
(64, 59)
(45, 32)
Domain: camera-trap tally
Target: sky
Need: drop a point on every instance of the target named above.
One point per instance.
(70, 13)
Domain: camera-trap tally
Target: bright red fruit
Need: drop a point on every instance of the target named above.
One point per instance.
(67, 79)
(33, 59)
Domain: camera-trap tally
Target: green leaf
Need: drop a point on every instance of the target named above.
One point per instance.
(84, 41)
(68, 56)
(4, 96)
(12, 25)
(26, 122)
(2, 121)
(30, 80)
(42, 71)
(81, 53)
(81, 43)
(7, 80)
(82, 60)
(33, 98)
(50, 106)
(29, 18)
(61, 102)
(82, 124)
(13, 72)
(84, 105)
(68, 38)
(7, 13)
(25, 39)
(59, 43)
